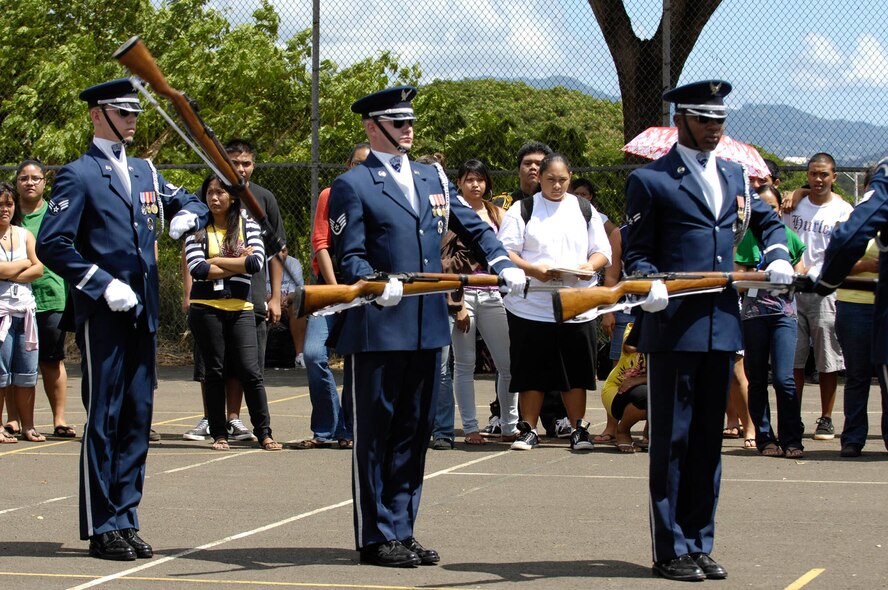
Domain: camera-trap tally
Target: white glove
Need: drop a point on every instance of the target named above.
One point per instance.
(515, 281)
(392, 293)
(657, 299)
(182, 222)
(781, 272)
(119, 296)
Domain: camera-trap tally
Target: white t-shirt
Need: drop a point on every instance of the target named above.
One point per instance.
(555, 235)
(815, 224)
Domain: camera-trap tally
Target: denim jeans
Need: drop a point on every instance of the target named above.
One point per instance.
(328, 420)
(772, 338)
(854, 328)
(230, 336)
(445, 407)
(17, 366)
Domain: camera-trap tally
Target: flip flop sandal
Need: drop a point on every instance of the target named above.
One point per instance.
(344, 443)
(604, 439)
(627, 448)
(9, 431)
(270, 445)
(5, 439)
(31, 435)
(474, 438)
(64, 432)
(312, 443)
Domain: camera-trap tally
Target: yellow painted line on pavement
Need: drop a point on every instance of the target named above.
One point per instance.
(810, 575)
(645, 477)
(35, 446)
(229, 582)
(196, 416)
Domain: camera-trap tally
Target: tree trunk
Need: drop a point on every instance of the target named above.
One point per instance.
(639, 61)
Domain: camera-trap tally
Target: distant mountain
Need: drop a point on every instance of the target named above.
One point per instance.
(780, 129)
(565, 82)
(788, 132)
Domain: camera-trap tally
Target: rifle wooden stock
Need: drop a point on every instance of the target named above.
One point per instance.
(312, 298)
(569, 303)
(135, 56)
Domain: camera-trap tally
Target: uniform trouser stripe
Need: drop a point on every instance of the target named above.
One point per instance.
(85, 450)
(356, 487)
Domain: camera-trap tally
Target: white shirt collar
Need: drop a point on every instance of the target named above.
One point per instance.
(106, 146)
(689, 155)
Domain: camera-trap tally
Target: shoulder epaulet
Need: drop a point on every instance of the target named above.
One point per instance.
(503, 200)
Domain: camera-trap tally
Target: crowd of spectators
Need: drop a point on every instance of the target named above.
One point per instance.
(553, 231)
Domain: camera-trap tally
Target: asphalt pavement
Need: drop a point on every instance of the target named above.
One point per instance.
(543, 519)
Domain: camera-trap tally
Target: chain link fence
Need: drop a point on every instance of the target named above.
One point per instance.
(582, 76)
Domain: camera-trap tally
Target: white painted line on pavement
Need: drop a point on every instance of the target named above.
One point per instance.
(262, 529)
(216, 460)
(50, 501)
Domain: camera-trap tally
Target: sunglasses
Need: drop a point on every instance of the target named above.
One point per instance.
(704, 120)
(124, 114)
(399, 123)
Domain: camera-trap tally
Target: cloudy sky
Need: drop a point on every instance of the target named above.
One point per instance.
(823, 57)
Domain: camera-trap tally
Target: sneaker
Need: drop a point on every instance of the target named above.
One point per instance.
(442, 444)
(237, 431)
(300, 361)
(825, 429)
(563, 428)
(199, 432)
(153, 436)
(579, 440)
(527, 438)
(493, 428)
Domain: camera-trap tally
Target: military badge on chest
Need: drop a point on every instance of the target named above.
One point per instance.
(439, 209)
(148, 207)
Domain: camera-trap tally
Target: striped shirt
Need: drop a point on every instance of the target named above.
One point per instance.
(230, 293)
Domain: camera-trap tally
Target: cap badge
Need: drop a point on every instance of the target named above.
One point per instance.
(714, 87)
(405, 94)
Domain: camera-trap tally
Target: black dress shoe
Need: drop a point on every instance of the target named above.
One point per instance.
(681, 568)
(112, 546)
(389, 554)
(141, 548)
(711, 569)
(851, 450)
(426, 556)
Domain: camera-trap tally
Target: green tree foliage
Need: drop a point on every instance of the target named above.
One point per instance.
(250, 85)
(492, 119)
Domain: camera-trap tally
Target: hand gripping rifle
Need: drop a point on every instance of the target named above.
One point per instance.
(569, 303)
(135, 56)
(328, 299)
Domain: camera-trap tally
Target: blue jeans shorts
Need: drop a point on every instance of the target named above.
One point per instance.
(17, 366)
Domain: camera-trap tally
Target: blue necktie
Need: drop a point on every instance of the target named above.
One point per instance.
(396, 163)
(703, 157)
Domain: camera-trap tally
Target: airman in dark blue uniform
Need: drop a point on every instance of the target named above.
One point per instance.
(390, 214)
(685, 211)
(99, 235)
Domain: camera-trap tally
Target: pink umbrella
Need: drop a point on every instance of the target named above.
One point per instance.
(655, 142)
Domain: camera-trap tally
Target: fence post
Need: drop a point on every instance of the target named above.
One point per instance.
(666, 77)
(315, 109)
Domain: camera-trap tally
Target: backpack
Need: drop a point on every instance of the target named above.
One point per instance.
(527, 209)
